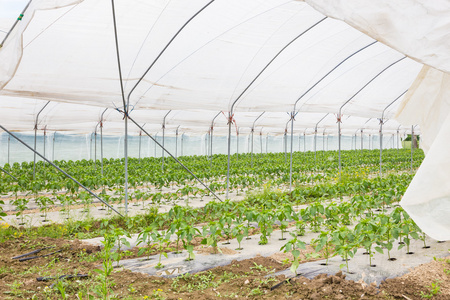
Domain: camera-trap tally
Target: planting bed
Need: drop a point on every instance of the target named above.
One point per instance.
(328, 216)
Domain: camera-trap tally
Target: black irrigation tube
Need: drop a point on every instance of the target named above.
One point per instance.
(62, 277)
(59, 169)
(38, 256)
(179, 162)
(32, 252)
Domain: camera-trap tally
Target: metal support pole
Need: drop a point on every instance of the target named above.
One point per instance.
(101, 139)
(90, 146)
(53, 145)
(381, 128)
(163, 129)
(176, 141)
(237, 144)
(15, 24)
(35, 137)
(339, 143)
(156, 138)
(140, 142)
(315, 136)
(9, 144)
(252, 130)
(381, 144)
(267, 143)
(362, 141)
(292, 119)
(126, 163)
(6, 172)
(251, 155)
(211, 140)
(95, 148)
(230, 120)
(45, 135)
(181, 146)
(304, 141)
(260, 141)
(315, 145)
(323, 141)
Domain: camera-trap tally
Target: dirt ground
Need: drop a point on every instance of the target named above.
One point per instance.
(239, 280)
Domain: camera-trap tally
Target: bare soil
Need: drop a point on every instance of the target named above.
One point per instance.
(239, 280)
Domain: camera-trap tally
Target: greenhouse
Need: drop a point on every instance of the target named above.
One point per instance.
(266, 149)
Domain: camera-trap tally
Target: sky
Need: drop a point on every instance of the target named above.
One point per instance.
(9, 11)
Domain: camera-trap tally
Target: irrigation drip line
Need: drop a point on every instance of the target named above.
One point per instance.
(38, 256)
(180, 163)
(32, 252)
(9, 174)
(62, 277)
(59, 169)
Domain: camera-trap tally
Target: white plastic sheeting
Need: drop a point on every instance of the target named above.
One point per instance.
(252, 56)
(421, 30)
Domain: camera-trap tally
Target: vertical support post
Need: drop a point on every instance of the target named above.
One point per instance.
(176, 142)
(339, 143)
(252, 131)
(207, 137)
(260, 141)
(211, 139)
(156, 136)
(35, 137)
(101, 146)
(53, 145)
(126, 161)
(237, 144)
(230, 120)
(45, 135)
(315, 145)
(90, 145)
(101, 140)
(9, 144)
(251, 159)
(304, 141)
(381, 144)
(140, 142)
(95, 148)
(34, 162)
(267, 143)
(285, 145)
(211, 145)
(293, 114)
(323, 142)
(362, 141)
(164, 128)
(181, 146)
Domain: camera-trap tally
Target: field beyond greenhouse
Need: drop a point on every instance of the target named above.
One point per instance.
(333, 235)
